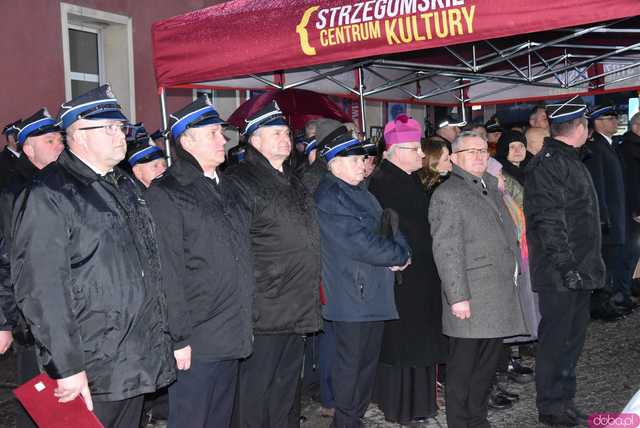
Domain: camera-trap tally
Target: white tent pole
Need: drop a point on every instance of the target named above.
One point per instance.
(363, 114)
(163, 114)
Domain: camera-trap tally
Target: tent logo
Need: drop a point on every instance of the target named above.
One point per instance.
(301, 29)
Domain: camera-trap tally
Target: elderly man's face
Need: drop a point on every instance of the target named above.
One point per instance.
(535, 139)
(472, 155)
(43, 149)
(350, 169)
(635, 127)
(148, 171)
(274, 142)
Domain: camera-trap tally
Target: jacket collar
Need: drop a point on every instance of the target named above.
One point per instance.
(344, 184)
(25, 168)
(261, 163)
(486, 178)
(558, 146)
(186, 168)
(81, 170)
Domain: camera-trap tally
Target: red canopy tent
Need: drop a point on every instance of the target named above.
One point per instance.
(443, 51)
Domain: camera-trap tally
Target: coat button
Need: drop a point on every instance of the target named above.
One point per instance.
(484, 192)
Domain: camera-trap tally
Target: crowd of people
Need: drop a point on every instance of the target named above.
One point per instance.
(421, 266)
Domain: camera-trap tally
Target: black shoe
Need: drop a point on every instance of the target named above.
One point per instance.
(576, 413)
(516, 366)
(626, 306)
(498, 401)
(606, 313)
(510, 395)
(563, 420)
(519, 375)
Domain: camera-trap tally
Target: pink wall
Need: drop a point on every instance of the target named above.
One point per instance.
(32, 71)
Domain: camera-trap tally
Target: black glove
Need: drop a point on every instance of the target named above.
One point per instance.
(573, 280)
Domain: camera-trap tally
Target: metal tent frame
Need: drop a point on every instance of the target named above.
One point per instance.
(563, 62)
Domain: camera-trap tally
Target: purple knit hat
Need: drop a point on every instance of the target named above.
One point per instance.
(403, 129)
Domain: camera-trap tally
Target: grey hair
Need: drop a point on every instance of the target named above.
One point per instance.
(390, 152)
(465, 134)
(635, 119)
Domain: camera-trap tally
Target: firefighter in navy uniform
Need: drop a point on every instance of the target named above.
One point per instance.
(39, 142)
(563, 231)
(9, 156)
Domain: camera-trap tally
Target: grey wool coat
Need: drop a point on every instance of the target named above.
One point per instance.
(476, 252)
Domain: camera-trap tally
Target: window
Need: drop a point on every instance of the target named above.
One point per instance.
(84, 59)
(98, 48)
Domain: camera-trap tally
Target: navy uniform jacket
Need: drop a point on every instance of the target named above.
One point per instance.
(605, 167)
(355, 257)
(86, 271)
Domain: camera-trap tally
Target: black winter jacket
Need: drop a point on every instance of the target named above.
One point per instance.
(10, 318)
(8, 166)
(86, 271)
(285, 244)
(629, 151)
(563, 220)
(605, 167)
(206, 262)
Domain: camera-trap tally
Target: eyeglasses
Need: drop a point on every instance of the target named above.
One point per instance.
(474, 152)
(414, 149)
(111, 129)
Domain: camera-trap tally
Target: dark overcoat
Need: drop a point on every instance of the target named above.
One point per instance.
(285, 243)
(605, 167)
(416, 339)
(206, 262)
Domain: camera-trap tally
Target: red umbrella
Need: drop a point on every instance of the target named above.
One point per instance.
(298, 105)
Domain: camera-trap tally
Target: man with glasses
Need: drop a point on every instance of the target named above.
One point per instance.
(286, 267)
(605, 167)
(86, 269)
(476, 253)
(413, 344)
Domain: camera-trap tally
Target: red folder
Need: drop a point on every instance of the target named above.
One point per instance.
(36, 396)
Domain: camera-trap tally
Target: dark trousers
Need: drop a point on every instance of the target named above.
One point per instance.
(471, 366)
(354, 369)
(631, 256)
(203, 395)
(327, 354)
(27, 363)
(561, 336)
(268, 381)
(614, 260)
(119, 414)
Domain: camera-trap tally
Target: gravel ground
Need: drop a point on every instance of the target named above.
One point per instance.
(608, 376)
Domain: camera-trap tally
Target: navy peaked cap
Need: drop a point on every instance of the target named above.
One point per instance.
(269, 115)
(39, 123)
(98, 103)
